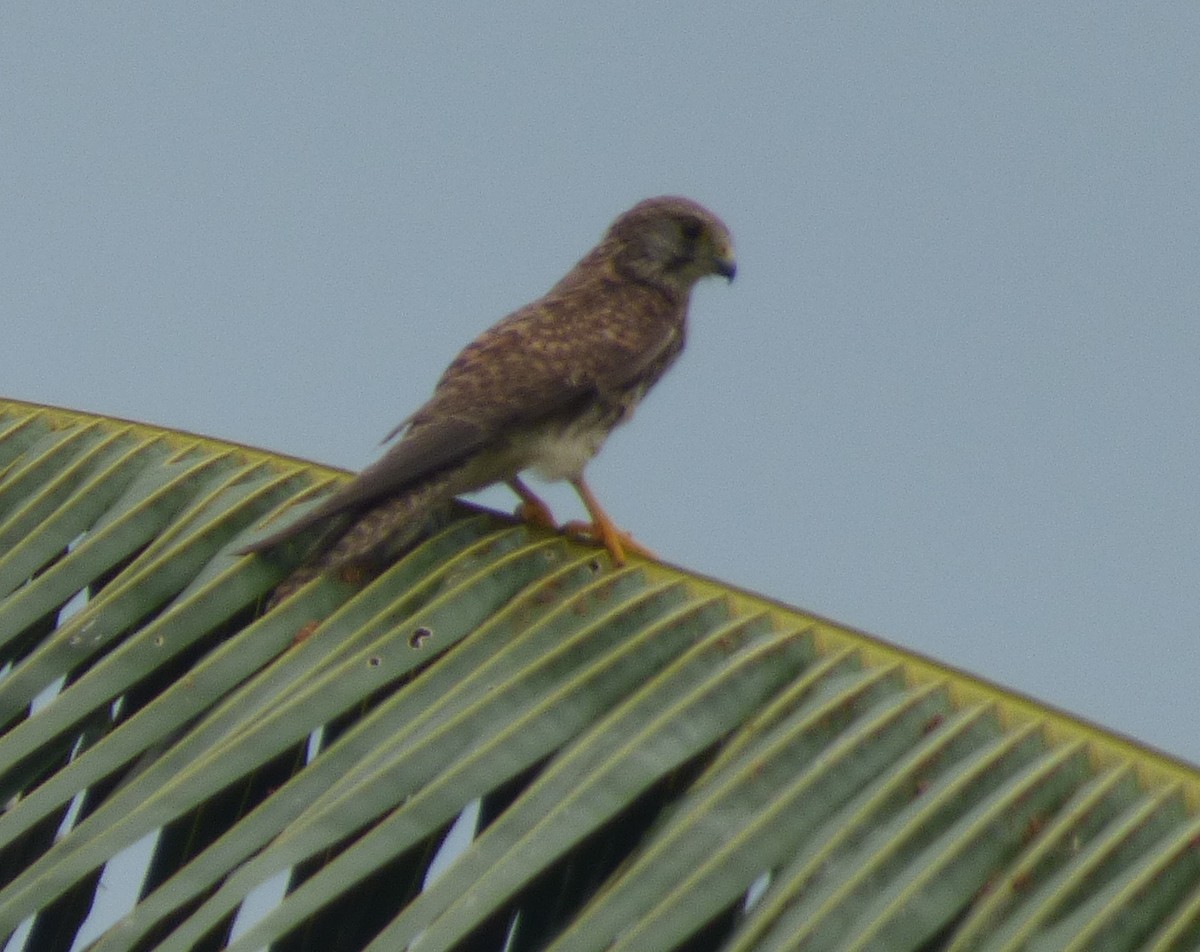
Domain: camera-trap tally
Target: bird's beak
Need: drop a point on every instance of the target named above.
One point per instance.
(723, 261)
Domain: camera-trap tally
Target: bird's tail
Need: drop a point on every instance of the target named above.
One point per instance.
(380, 534)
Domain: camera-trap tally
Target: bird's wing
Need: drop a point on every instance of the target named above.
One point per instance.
(543, 359)
(397, 429)
(422, 451)
(636, 364)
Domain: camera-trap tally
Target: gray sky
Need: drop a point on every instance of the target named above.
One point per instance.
(951, 398)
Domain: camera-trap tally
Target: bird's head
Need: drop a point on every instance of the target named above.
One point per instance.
(671, 242)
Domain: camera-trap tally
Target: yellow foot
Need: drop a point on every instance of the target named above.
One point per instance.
(536, 513)
(531, 509)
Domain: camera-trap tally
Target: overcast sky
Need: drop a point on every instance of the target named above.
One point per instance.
(951, 399)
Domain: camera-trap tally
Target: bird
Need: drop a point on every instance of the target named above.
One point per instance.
(539, 390)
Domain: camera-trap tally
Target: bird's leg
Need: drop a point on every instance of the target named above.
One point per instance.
(601, 528)
(532, 509)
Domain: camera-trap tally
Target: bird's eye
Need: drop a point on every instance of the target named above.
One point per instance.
(691, 230)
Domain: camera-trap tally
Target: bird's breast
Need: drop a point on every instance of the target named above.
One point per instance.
(561, 449)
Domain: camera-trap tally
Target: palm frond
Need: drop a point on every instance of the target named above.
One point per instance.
(642, 759)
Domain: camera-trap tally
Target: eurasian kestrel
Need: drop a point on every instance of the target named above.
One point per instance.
(539, 390)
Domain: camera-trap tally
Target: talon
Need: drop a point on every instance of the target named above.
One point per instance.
(617, 542)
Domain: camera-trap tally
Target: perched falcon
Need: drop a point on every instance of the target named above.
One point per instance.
(539, 390)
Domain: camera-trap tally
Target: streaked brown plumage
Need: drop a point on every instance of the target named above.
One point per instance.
(539, 390)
